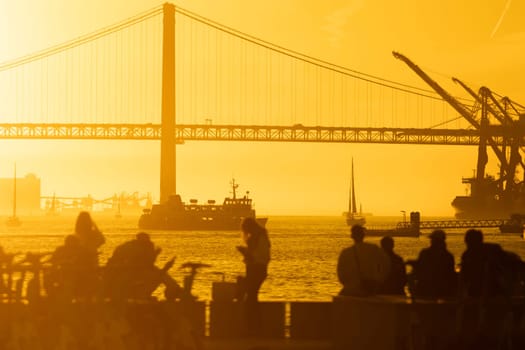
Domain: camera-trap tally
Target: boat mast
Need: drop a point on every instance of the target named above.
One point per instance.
(353, 190)
(234, 187)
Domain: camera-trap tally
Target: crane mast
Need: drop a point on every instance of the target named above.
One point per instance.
(490, 197)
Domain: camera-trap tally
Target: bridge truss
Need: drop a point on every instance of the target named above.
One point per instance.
(195, 132)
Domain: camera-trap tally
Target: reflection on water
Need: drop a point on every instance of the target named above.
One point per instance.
(304, 250)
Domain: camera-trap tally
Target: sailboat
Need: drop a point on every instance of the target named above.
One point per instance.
(14, 221)
(352, 216)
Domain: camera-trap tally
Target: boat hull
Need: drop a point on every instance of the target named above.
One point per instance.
(468, 207)
(148, 222)
(13, 221)
(356, 220)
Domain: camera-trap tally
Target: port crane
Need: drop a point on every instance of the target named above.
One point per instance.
(118, 202)
(493, 117)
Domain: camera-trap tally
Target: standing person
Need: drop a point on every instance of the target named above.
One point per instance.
(397, 276)
(256, 253)
(363, 267)
(434, 270)
(90, 239)
(88, 233)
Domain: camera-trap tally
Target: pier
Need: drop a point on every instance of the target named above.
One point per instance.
(512, 225)
(515, 224)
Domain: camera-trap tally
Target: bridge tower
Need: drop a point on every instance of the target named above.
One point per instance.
(167, 142)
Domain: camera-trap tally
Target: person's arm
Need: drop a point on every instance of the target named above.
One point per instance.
(245, 252)
(343, 271)
(98, 236)
(384, 264)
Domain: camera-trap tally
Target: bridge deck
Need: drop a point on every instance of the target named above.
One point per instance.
(205, 132)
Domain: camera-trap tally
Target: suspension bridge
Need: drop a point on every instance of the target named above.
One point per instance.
(171, 75)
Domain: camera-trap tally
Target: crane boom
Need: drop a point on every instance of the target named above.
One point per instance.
(459, 107)
(489, 196)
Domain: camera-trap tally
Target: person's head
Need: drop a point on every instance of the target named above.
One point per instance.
(84, 223)
(250, 226)
(437, 238)
(387, 243)
(473, 238)
(146, 247)
(357, 232)
(71, 241)
(143, 237)
(251, 229)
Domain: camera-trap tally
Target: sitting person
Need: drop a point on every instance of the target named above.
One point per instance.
(434, 270)
(397, 276)
(71, 263)
(363, 267)
(131, 273)
(487, 270)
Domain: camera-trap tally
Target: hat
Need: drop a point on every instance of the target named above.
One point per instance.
(437, 234)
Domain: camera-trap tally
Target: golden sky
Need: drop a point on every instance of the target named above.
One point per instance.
(482, 43)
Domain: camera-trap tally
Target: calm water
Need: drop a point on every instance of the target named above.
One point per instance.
(304, 250)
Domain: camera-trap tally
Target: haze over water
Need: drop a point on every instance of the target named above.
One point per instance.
(304, 249)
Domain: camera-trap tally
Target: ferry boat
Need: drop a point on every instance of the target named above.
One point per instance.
(178, 215)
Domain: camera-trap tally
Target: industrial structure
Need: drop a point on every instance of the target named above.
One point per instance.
(118, 204)
(493, 117)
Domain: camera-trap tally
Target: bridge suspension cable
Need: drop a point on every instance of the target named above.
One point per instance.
(81, 40)
(223, 75)
(310, 59)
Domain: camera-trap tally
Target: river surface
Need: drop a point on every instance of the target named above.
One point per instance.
(304, 249)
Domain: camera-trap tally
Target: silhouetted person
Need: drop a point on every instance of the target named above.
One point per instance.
(397, 276)
(130, 272)
(256, 253)
(486, 269)
(89, 235)
(363, 267)
(490, 273)
(90, 238)
(434, 270)
(67, 276)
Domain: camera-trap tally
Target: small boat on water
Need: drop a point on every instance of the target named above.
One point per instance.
(353, 217)
(401, 229)
(14, 221)
(175, 214)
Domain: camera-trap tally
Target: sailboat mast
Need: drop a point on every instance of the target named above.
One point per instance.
(350, 199)
(353, 190)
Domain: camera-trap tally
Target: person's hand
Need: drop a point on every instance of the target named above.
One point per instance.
(168, 265)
